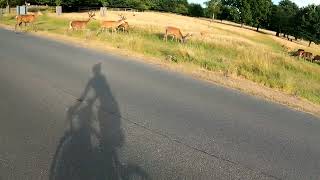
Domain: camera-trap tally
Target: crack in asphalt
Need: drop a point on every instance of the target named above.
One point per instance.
(164, 135)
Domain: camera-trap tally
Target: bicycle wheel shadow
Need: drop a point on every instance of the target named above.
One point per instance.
(77, 157)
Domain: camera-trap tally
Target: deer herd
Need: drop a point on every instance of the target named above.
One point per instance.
(307, 55)
(122, 25)
(114, 26)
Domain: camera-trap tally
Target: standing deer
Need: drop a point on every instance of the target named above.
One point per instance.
(298, 53)
(75, 25)
(316, 58)
(308, 56)
(176, 34)
(113, 25)
(28, 18)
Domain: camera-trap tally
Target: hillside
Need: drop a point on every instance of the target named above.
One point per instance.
(227, 54)
(215, 30)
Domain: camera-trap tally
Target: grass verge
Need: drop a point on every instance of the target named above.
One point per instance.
(258, 57)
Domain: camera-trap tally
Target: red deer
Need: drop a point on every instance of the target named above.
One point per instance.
(28, 18)
(76, 25)
(204, 33)
(308, 56)
(124, 27)
(113, 25)
(176, 34)
(300, 52)
(316, 58)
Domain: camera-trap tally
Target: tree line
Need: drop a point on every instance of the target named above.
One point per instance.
(286, 18)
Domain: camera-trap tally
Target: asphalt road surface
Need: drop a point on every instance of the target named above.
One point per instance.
(158, 124)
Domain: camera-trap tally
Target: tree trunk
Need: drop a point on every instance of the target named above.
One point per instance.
(241, 25)
(296, 38)
(284, 35)
(8, 9)
(277, 34)
(258, 27)
(310, 43)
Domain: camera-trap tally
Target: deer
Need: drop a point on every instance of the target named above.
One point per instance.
(124, 27)
(300, 52)
(176, 34)
(308, 56)
(28, 18)
(204, 33)
(75, 25)
(113, 25)
(316, 58)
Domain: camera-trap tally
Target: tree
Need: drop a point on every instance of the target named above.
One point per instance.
(213, 8)
(104, 3)
(260, 9)
(243, 7)
(275, 18)
(3, 3)
(229, 13)
(195, 10)
(245, 12)
(58, 2)
(288, 11)
(308, 26)
(175, 6)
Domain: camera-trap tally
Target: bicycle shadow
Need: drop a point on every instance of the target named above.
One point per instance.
(85, 153)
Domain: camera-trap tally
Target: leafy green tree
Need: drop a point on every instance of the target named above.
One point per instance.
(195, 10)
(243, 7)
(245, 12)
(3, 3)
(308, 24)
(288, 12)
(229, 13)
(275, 18)
(104, 3)
(58, 2)
(261, 9)
(213, 8)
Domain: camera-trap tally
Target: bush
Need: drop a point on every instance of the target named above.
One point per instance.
(39, 8)
(195, 10)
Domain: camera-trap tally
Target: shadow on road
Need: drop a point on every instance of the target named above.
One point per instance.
(88, 151)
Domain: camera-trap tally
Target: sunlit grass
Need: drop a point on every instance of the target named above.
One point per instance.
(248, 54)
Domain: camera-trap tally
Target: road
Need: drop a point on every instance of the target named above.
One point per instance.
(172, 126)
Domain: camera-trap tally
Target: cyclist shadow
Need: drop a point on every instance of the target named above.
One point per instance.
(86, 152)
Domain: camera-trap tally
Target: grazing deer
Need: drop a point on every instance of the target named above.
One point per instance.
(300, 52)
(28, 18)
(204, 33)
(113, 25)
(124, 27)
(308, 56)
(176, 34)
(75, 25)
(316, 58)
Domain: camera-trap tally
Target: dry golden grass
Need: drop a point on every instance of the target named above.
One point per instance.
(227, 49)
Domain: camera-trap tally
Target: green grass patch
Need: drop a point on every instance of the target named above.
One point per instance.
(264, 62)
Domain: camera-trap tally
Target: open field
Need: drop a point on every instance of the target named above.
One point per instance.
(229, 50)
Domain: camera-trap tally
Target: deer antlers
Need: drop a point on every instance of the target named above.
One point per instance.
(91, 14)
(122, 17)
